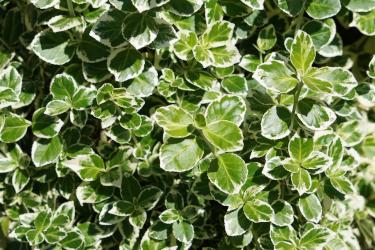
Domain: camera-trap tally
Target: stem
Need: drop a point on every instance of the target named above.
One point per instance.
(296, 98)
(70, 8)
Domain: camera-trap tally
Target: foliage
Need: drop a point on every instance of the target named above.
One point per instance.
(187, 124)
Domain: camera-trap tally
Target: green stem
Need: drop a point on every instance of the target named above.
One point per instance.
(295, 103)
(70, 8)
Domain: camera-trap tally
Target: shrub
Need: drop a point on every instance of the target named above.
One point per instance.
(187, 124)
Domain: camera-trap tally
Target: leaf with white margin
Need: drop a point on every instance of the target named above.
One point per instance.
(20, 179)
(108, 29)
(14, 128)
(360, 5)
(315, 238)
(300, 148)
(183, 231)
(314, 115)
(184, 7)
(139, 29)
(46, 151)
(227, 108)
(181, 156)
(87, 167)
(224, 135)
(56, 107)
(315, 79)
(217, 34)
(364, 22)
(228, 173)
(93, 192)
(371, 68)
(283, 234)
(254, 4)
(224, 56)
(235, 84)
(275, 123)
(342, 184)
(183, 47)
(275, 75)
(213, 11)
(144, 84)
(45, 126)
(125, 63)
(321, 9)
(302, 52)
(54, 48)
(143, 5)
(258, 211)
(236, 223)
(62, 23)
(301, 181)
(283, 214)
(310, 208)
(174, 120)
(44, 4)
(351, 132)
(320, 32)
(267, 38)
(317, 161)
(63, 87)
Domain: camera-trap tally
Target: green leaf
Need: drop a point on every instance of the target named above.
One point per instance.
(310, 208)
(258, 211)
(92, 192)
(302, 53)
(301, 181)
(320, 33)
(42, 221)
(275, 123)
(300, 148)
(183, 231)
(228, 173)
(46, 151)
(44, 4)
(125, 63)
(227, 108)
(275, 75)
(14, 128)
(364, 22)
(342, 184)
(139, 29)
(267, 38)
(224, 135)
(87, 167)
(181, 156)
(290, 7)
(45, 126)
(53, 48)
(249, 63)
(321, 9)
(174, 120)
